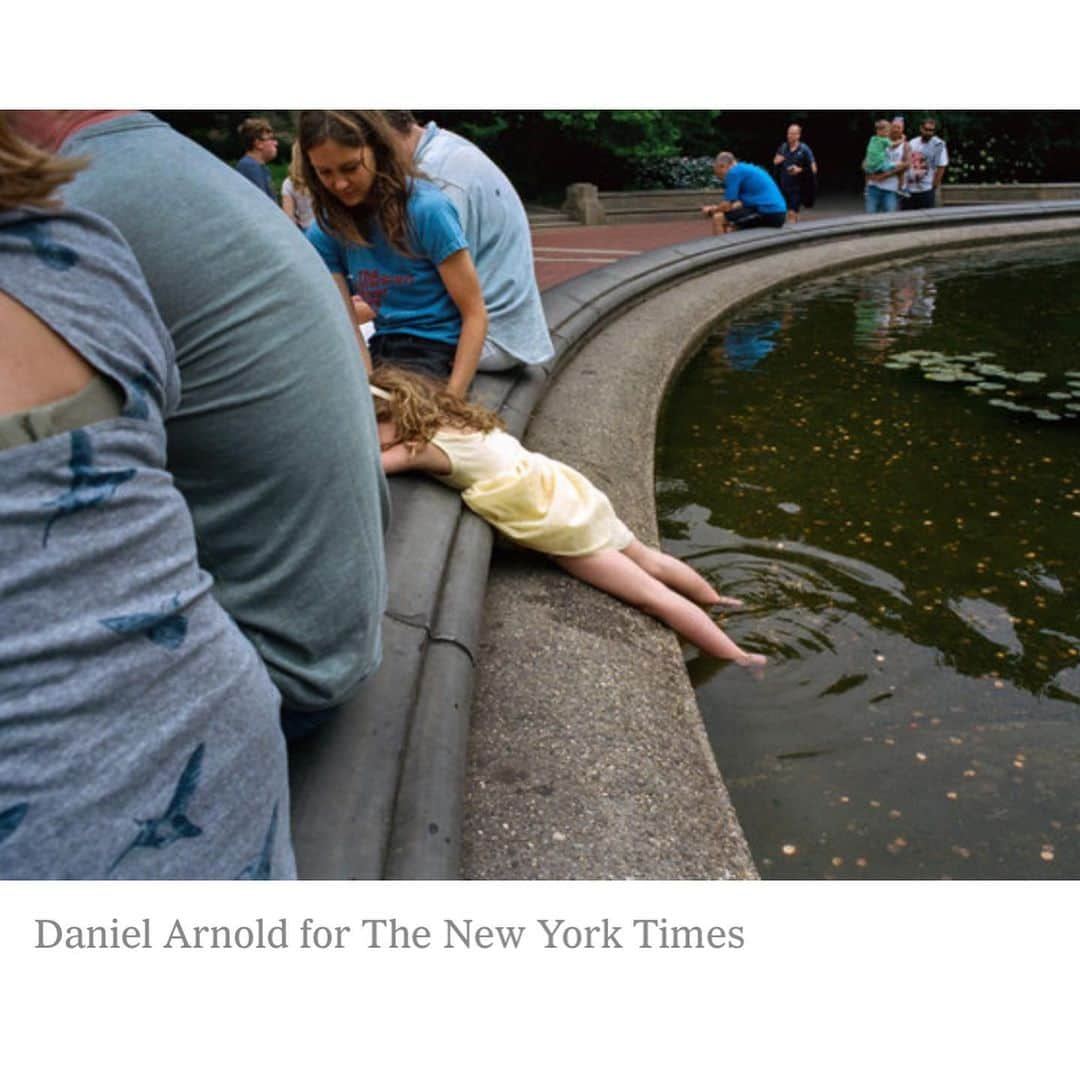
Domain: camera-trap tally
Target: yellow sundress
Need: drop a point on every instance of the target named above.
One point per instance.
(537, 501)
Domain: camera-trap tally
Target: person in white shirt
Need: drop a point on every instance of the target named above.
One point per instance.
(929, 157)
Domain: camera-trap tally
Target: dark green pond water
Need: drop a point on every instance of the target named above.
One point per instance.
(906, 540)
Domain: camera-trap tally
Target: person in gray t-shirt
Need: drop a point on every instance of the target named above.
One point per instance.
(273, 444)
(139, 732)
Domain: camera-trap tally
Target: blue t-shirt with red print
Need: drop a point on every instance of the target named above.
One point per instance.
(406, 294)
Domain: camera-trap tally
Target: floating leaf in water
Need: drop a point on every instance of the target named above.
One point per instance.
(1030, 376)
(1059, 395)
(1046, 414)
(939, 376)
(990, 386)
(843, 684)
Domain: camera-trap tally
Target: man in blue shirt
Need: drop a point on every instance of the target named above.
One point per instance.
(260, 147)
(751, 197)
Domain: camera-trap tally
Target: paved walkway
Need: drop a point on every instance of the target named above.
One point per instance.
(563, 253)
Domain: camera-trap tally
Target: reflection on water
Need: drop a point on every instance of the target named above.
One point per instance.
(908, 559)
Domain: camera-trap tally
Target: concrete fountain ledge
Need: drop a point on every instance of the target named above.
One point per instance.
(589, 758)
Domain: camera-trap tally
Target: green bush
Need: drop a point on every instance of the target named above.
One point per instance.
(677, 172)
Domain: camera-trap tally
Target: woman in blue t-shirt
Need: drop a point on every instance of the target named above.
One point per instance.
(394, 239)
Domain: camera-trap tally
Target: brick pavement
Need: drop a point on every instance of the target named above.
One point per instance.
(562, 253)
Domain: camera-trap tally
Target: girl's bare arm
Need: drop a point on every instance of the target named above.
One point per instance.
(402, 458)
(459, 276)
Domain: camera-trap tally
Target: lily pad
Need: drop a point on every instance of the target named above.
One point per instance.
(990, 386)
(1030, 376)
(1059, 395)
(940, 376)
(1045, 414)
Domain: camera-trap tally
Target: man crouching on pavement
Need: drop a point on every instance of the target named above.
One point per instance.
(751, 197)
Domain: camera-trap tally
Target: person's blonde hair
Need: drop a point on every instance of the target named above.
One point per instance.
(29, 176)
(296, 167)
(420, 406)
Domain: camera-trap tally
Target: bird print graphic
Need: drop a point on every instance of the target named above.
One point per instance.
(89, 486)
(259, 867)
(165, 628)
(11, 819)
(174, 824)
(57, 256)
(140, 388)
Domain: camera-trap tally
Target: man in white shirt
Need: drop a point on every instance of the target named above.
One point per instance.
(928, 160)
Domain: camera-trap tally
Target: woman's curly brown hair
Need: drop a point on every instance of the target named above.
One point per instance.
(390, 189)
(29, 176)
(420, 406)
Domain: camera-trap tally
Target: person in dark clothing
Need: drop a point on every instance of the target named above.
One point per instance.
(796, 172)
(260, 147)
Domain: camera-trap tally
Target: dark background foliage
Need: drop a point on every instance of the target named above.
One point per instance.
(543, 150)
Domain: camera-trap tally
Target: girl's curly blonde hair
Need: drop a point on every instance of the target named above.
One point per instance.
(420, 406)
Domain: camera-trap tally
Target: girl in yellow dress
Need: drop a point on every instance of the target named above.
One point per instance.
(541, 504)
